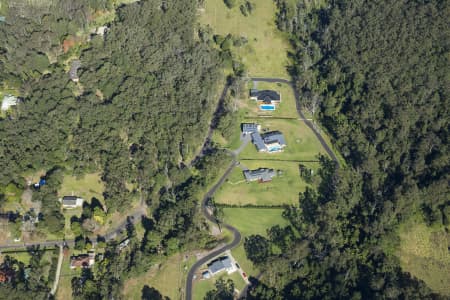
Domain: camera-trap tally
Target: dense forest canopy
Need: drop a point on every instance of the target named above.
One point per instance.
(375, 73)
(142, 105)
(138, 115)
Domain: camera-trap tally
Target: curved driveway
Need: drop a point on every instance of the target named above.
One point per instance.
(302, 116)
(236, 234)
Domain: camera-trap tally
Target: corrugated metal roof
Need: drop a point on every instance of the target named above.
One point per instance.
(274, 136)
(263, 174)
(258, 141)
(249, 127)
(220, 264)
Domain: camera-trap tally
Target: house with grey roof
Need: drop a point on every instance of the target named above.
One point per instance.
(258, 142)
(71, 202)
(223, 263)
(249, 128)
(269, 142)
(73, 72)
(265, 96)
(274, 141)
(261, 175)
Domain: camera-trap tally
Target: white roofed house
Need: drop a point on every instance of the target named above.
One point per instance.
(8, 101)
(71, 201)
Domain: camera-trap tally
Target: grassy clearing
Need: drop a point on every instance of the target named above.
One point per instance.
(248, 221)
(89, 186)
(252, 221)
(20, 256)
(283, 189)
(423, 252)
(203, 286)
(266, 51)
(169, 279)
(302, 144)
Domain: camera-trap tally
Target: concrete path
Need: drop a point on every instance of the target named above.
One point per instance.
(244, 142)
(58, 270)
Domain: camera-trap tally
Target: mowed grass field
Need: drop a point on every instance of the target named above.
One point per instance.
(248, 221)
(88, 186)
(283, 189)
(64, 291)
(286, 109)
(265, 55)
(202, 287)
(302, 143)
(252, 221)
(424, 253)
(169, 279)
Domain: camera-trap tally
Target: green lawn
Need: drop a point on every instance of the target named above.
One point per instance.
(283, 189)
(252, 221)
(266, 51)
(248, 221)
(20, 256)
(423, 252)
(169, 279)
(286, 109)
(201, 287)
(64, 291)
(302, 143)
(87, 187)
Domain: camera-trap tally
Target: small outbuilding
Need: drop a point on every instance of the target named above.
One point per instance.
(249, 128)
(206, 275)
(73, 72)
(8, 101)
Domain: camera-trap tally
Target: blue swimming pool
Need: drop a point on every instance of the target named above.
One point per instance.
(274, 149)
(267, 107)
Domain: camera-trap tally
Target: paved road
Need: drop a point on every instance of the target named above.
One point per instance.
(212, 125)
(133, 218)
(206, 212)
(271, 79)
(236, 234)
(244, 142)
